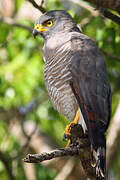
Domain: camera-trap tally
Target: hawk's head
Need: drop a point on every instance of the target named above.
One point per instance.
(53, 22)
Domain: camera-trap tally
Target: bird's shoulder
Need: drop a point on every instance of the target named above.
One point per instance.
(82, 42)
(85, 50)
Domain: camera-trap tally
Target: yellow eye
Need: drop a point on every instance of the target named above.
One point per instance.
(49, 23)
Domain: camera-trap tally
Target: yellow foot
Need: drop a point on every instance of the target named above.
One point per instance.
(68, 129)
(68, 144)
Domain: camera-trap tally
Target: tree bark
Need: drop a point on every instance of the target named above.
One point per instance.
(80, 146)
(111, 4)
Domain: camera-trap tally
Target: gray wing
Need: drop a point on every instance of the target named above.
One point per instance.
(90, 84)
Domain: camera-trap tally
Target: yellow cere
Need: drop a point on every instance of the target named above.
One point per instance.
(41, 28)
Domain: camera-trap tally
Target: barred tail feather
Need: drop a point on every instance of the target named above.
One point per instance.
(98, 160)
(101, 161)
(93, 156)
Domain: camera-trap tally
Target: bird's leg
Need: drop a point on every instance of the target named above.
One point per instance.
(68, 129)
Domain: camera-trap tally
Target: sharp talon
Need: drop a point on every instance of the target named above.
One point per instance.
(67, 134)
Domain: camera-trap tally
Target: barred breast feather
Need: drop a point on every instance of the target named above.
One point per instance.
(58, 76)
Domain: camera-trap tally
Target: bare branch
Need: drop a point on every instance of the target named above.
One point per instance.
(86, 6)
(30, 171)
(80, 146)
(36, 158)
(5, 161)
(40, 8)
(85, 21)
(66, 170)
(96, 13)
(110, 55)
(12, 22)
(29, 137)
(113, 142)
(25, 146)
(110, 4)
(110, 15)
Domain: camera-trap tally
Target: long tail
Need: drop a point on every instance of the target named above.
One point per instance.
(98, 158)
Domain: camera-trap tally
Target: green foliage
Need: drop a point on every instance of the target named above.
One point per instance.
(4, 31)
(45, 173)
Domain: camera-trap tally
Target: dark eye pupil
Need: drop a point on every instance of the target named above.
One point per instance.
(49, 22)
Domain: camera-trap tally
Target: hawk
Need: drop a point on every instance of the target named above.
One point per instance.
(76, 79)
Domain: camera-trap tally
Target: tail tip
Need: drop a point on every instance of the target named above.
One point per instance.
(98, 161)
(100, 172)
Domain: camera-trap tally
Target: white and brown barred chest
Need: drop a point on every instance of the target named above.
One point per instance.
(57, 78)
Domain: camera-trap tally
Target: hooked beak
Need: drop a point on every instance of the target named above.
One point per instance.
(39, 29)
(35, 32)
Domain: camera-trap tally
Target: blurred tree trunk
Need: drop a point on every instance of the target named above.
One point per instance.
(111, 4)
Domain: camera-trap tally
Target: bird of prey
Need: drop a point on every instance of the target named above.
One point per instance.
(76, 79)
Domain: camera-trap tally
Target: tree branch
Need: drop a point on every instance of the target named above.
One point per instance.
(86, 6)
(12, 22)
(40, 8)
(6, 164)
(95, 12)
(66, 170)
(110, 15)
(80, 146)
(113, 142)
(110, 55)
(37, 158)
(110, 4)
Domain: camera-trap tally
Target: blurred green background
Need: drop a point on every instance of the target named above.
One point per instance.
(28, 121)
